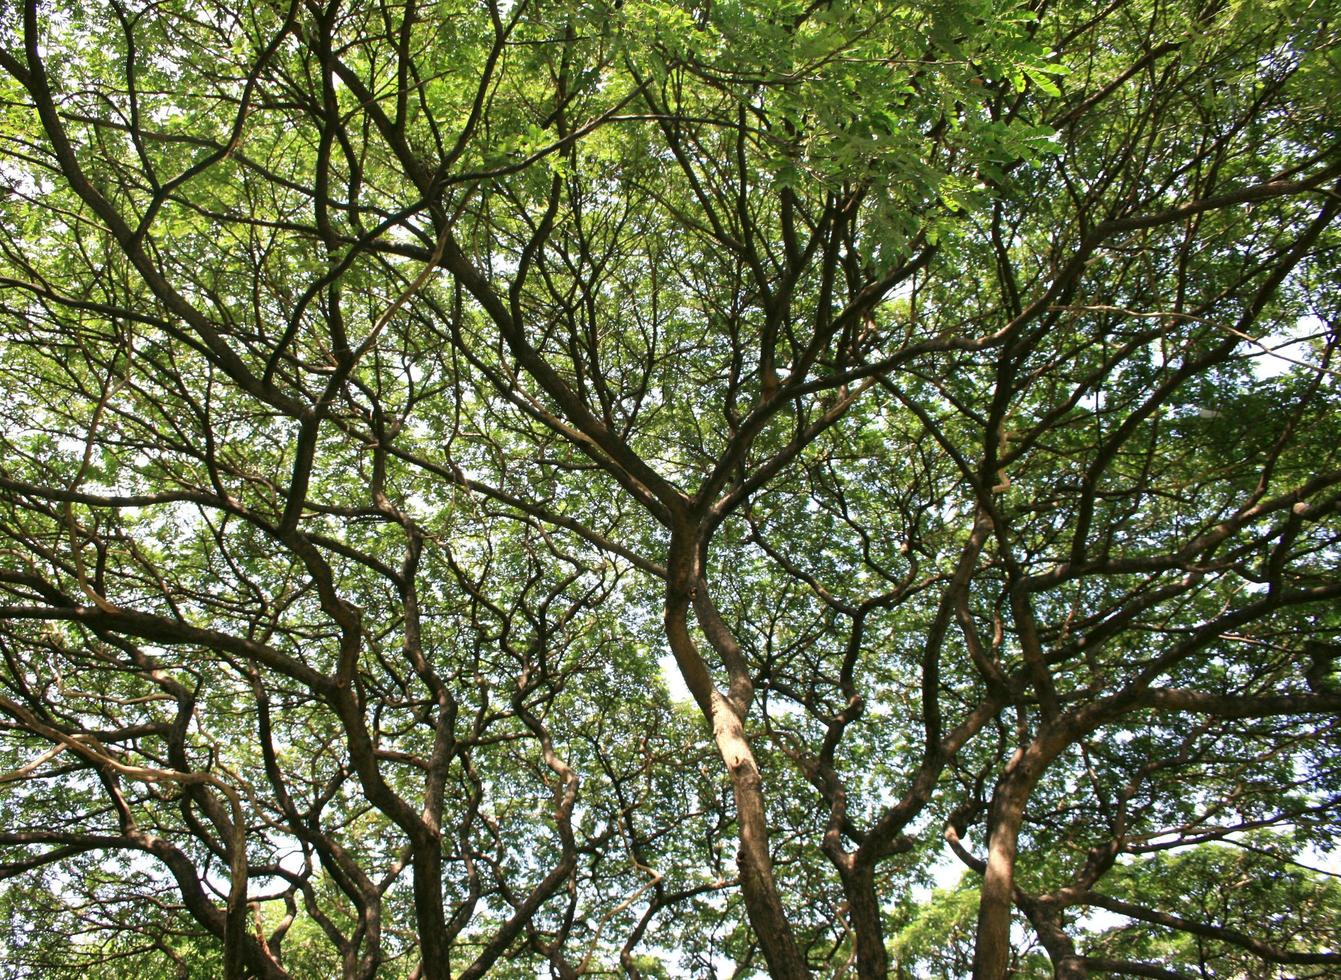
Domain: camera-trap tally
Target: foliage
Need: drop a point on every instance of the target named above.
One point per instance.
(937, 938)
(1244, 890)
(942, 395)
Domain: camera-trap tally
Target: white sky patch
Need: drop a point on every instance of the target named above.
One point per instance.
(670, 676)
(1275, 354)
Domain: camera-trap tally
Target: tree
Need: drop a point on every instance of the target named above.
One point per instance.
(1259, 907)
(946, 390)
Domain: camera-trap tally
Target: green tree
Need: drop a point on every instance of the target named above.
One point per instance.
(947, 391)
(1223, 911)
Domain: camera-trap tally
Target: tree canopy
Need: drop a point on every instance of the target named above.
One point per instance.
(942, 396)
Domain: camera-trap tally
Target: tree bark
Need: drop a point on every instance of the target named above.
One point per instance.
(433, 951)
(864, 917)
(991, 955)
(758, 886)
(1045, 917)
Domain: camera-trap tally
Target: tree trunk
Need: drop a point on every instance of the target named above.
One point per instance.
(433, 951)
(1046, 920)
(757, 883)
(758, 887)
(991, 955)
(864, 918)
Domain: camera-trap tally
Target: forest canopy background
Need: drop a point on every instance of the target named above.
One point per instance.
(946, 393)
